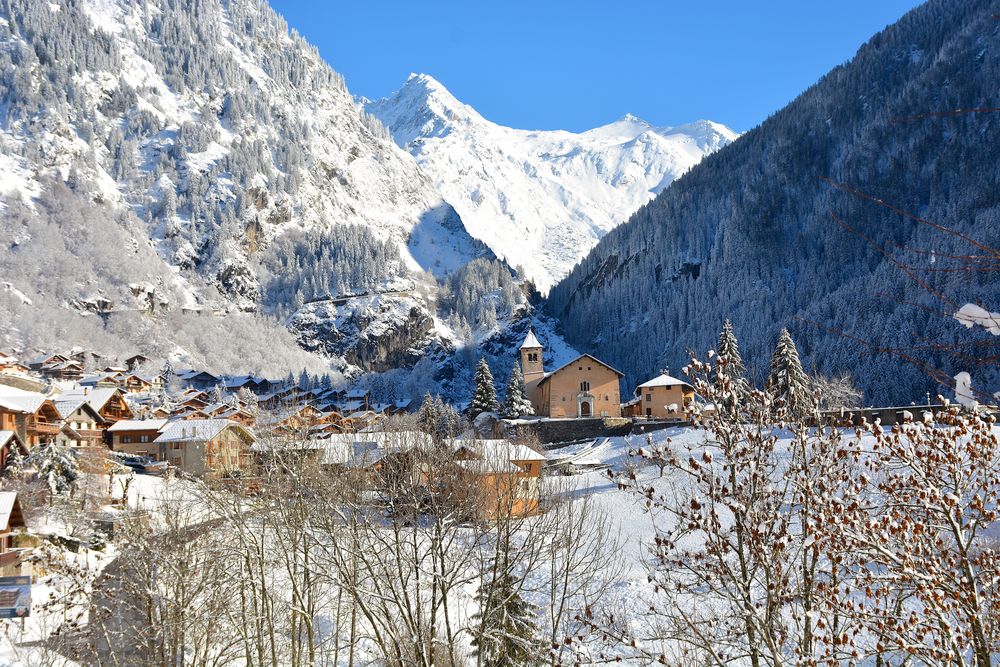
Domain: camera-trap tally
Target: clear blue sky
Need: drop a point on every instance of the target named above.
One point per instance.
(549, 64)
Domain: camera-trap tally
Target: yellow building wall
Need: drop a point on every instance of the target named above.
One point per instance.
(561, 391)
(655, 400)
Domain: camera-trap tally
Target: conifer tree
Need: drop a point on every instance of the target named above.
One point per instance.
(730, 373)
(507, 628)
(14, 465)
(729, 349)
(787, 380)
(515, 402)
(427, 416)
(484, 397)
(57, 467)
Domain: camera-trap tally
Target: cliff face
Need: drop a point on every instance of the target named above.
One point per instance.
(374, 333)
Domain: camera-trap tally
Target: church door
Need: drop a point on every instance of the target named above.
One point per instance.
(585, 409)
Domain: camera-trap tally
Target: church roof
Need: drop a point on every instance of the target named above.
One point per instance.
(530, 340)
(589, 356)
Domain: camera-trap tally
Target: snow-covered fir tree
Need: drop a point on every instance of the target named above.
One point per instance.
(515, 402)
(484, 397)
(787, 380)
(14, 466)
(57, 467)
(427, 415)
(438, 419)
(729, 349)
(507, 632)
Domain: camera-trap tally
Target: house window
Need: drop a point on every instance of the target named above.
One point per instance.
(143, 438)
(584, 386)
(649, 398)
(126, 439)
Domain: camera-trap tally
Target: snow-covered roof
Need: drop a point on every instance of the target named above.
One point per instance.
(138, 425)
(66, 407)
(7, 436)
(487, 466)
(96, 397)
(10, 510)
(196, 429)
(530, 340)
(663, 380)
(20, 400)
(498, 450)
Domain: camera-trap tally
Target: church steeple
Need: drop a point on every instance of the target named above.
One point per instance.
(531, 359)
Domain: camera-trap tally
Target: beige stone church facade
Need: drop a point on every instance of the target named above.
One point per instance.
(585, 387)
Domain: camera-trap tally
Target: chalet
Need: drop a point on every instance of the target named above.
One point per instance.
(31, 415)
(136, 436)
(206, 447)
(10, 441)
(11, 520)
(10, 365)
(135, 384)
(62, 370)
(585, 387)
(135, 361)
(366, 450)
(664, 397)
(102, 379)
(198, 379)
(82, 425)
(159, 412)
(109, 402)
(43, 360)
(506, 474)
(196, 401)
(238, 415)
(295, 419)
(190, 414)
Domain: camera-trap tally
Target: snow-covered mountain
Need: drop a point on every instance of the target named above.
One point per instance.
(231, 157)
(539, 199)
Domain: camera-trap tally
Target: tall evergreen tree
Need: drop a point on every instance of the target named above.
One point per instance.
(515, 402)
(484, 397)
(427, 416)
(729, 349)
(787, 380)
(507, 631)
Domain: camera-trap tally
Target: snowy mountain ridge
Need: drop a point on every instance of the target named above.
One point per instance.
(231, 157)
(539, 199)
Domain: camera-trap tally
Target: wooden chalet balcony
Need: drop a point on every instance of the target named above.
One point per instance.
(43, 426)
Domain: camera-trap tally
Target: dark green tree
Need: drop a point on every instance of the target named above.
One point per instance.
(787, 381)
(507, 630)
(515, 402)
(484, 397)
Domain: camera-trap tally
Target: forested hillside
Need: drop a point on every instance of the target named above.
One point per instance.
(161, 157)
(752, 232)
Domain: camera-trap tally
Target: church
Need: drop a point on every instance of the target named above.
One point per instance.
(585, 387)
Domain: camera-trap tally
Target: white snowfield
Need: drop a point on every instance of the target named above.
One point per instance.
(540, 199)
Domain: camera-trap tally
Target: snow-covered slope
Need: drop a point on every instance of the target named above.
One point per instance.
(539, 199)
(209, 132)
